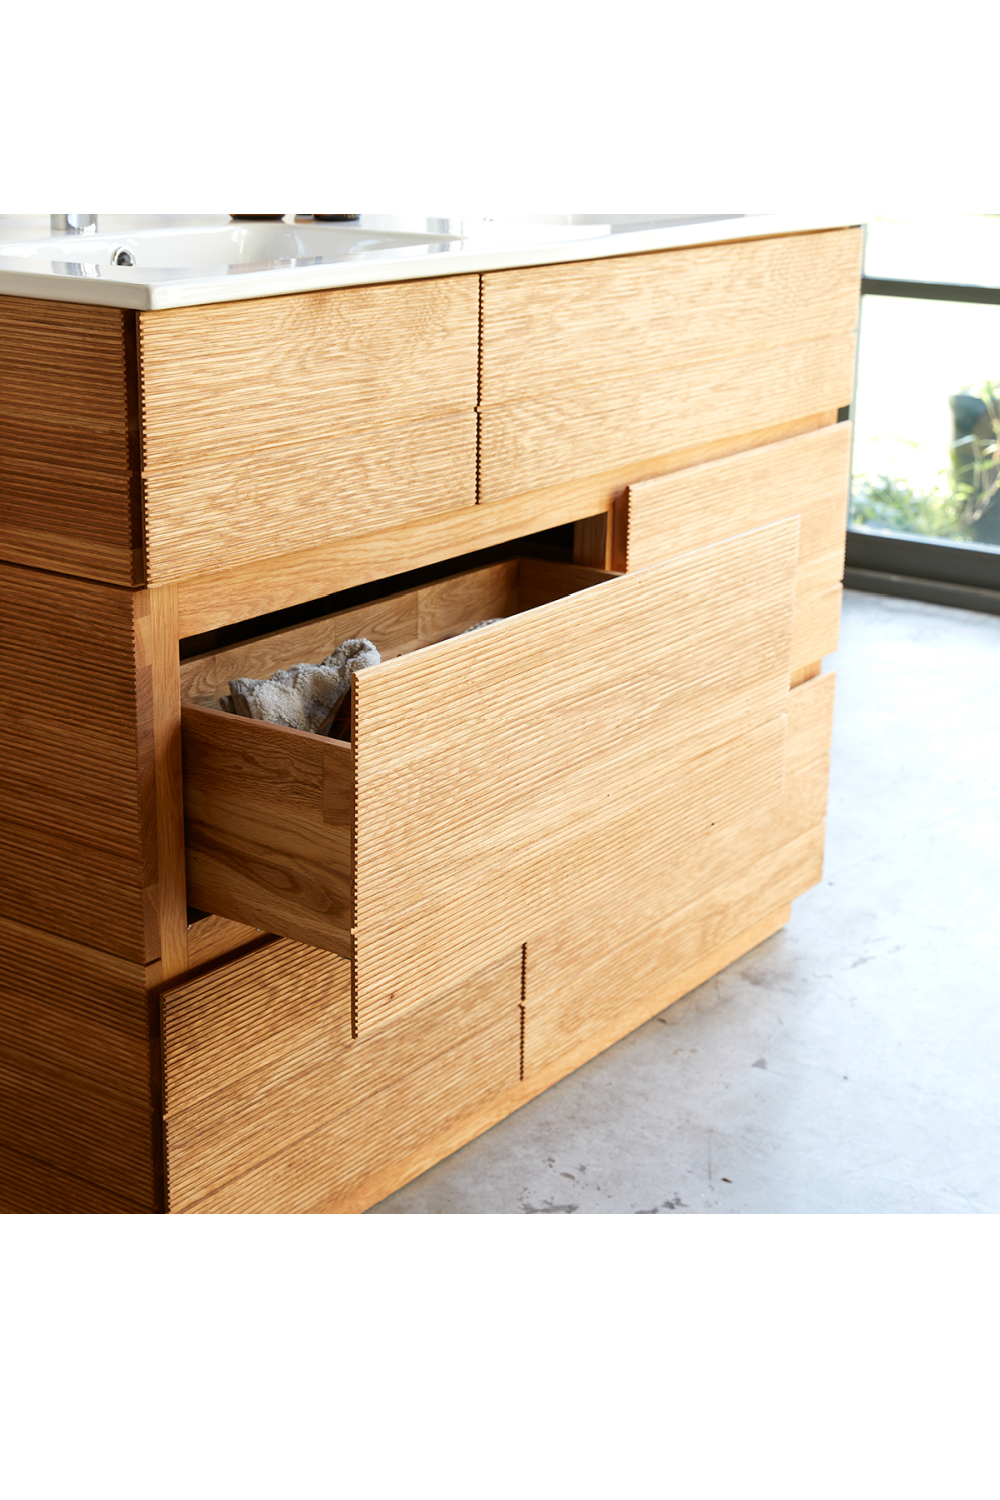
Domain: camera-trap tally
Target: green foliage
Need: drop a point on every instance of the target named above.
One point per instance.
(891, 505)
(955, 506)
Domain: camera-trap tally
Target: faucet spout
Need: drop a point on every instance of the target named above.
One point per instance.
(73, 223)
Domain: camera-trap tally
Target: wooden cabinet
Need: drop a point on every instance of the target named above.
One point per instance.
(539, 834)
(557, 757)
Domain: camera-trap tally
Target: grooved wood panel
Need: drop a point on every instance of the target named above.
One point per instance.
(496, 774)
(63, 392)
(810, 720)
(584, 429)
(549, 327)
(270, 812)
(68, 483)
(263, 502)
(272, 1108)
(565, 1001)
(284, 423)
(231, 594)
(805, 476)
(224, 378)
(77, 838)
(624, 1020)
(817, 625)
(575, 742)
(69, 520)
(726, 846)
(77, 1091)
(30, 1186)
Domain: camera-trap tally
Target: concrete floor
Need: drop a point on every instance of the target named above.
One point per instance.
(850, 1063)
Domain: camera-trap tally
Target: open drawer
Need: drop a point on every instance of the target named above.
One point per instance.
(604, 722)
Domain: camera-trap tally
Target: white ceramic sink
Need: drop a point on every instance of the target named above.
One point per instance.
(235, 245)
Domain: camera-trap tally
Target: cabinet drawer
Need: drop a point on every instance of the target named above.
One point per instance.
(804, 476)
(271, 1107)
(495, 777)
(590, 367)
(274, 425)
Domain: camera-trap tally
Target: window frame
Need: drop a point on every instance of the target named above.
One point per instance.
(912, 567)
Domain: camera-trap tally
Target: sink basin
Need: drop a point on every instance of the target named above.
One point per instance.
(157, 262)
(234, 246)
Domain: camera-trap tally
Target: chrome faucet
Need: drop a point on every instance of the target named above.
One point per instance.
(73, 223)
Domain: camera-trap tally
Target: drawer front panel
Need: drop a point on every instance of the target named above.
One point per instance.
(277, 424)
(547, 328)
(272, 1108)
(497, 776)
(806, 476)
(597, 962)
(526, 765)
(590, 367)
(266, 503)
(588, 429)
(571, 999)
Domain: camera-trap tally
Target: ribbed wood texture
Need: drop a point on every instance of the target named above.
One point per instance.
(567, 1002)
(232, 594)
(286, 422)
(601, 730)
(78, 839)
(585, 366)
(69, 484)
(271, 1108)
(77, 1094)
(805, 476)
(500, 774)
(597, 961)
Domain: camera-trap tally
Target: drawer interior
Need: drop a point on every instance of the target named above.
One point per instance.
(396, 624)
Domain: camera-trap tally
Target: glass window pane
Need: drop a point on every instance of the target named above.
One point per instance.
(927, 419)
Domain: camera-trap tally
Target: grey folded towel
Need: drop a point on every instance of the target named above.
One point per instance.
(305, 696)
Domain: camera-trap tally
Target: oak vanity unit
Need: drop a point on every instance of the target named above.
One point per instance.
(249, 969)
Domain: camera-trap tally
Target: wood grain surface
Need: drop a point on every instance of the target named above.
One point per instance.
(268, 826)
(78, 1091)
(282, 423)
(496, 774)
(227, 595)
(572, 993)
(547, 328)
(805, 476)
(272, 1108)
(264, 502)
(585, 429)
(444, 1141)
(226, 378)
(740, 865)
(69, 467)
(586, 366)
(77, 843)
(397, 624)
(580, 738)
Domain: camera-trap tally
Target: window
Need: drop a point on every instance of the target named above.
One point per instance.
(924, 516)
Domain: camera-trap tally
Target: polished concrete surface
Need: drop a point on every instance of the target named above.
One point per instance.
(850, 1064)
